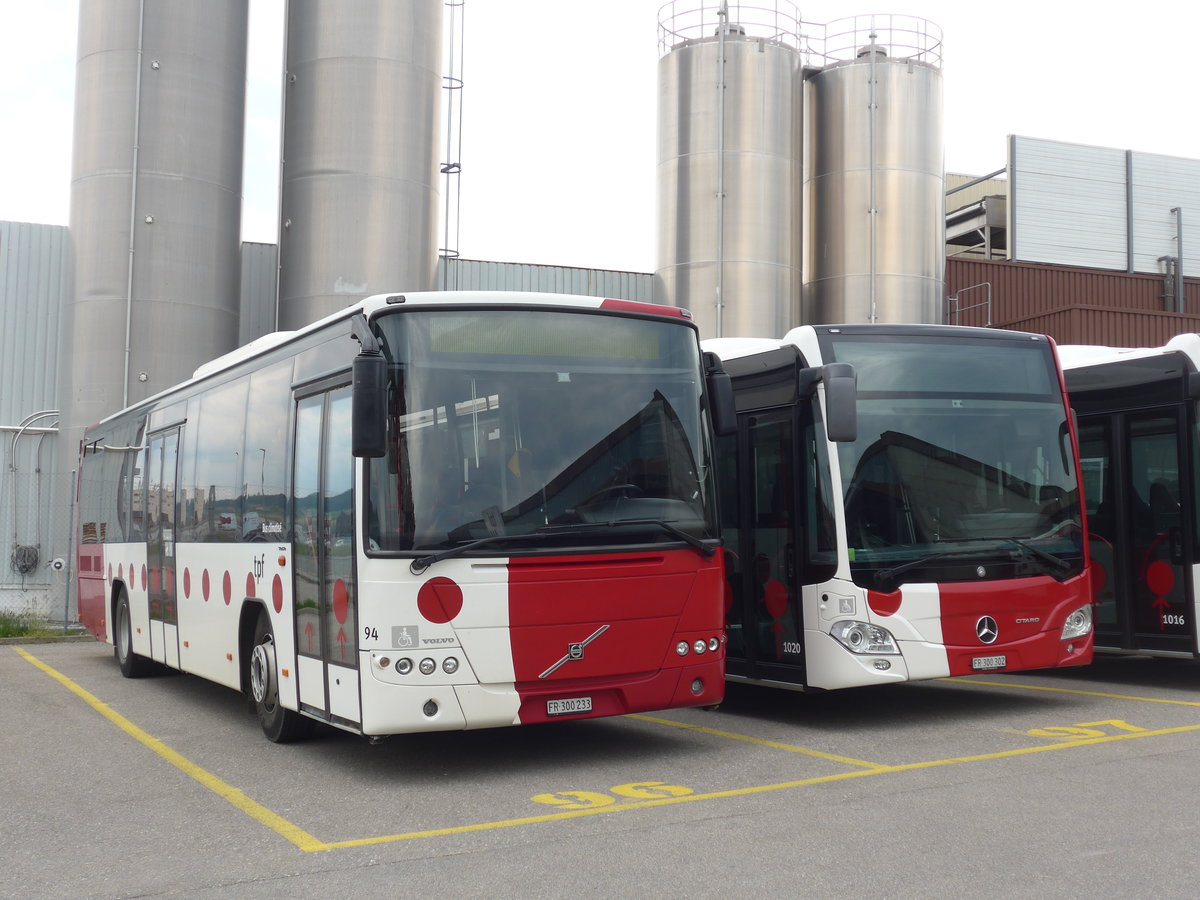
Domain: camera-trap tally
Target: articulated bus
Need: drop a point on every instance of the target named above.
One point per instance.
(492, 509)
(1140, 452)
(900, 503)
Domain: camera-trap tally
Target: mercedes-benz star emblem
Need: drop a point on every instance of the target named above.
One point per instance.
(987, 630)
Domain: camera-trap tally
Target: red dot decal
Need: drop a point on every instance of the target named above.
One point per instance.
(110, 571)
(205, 586)
(775, 597)
(121, 571)
(227, 587)
(341, 601)
(187, 582)
(277, 593)
(1159, 578)
(250, 585)
(439, 600)
(143, 577)
(883, 604)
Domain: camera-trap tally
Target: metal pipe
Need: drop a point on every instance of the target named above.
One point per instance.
(975, 181)
(1180, 305)
(1129, 211)
(723, 17)
(24, 429)
(279, 219)
(873, 212)
(70, 547)
(133, 178)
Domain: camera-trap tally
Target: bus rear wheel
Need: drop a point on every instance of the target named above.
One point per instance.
(279, 724)
(132, 665)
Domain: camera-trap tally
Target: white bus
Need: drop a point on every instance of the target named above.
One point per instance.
(1140, 452)
(499, 510)
(900, 503)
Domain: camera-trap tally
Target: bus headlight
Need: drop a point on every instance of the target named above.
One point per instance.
(1078, 624)
(865, 638)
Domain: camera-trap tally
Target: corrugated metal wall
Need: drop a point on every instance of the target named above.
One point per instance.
(33, 274)
(34, 268)
(478, 275)
(1102, 208)
(1074, 306)
(1161, 183)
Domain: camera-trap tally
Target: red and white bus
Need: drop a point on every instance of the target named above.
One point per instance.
(499, 510)
(920, 522)
(1140, 450)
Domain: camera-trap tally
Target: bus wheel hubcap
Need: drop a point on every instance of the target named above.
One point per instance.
(262, 669)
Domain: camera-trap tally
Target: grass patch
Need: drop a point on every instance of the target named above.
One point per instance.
(24, 625)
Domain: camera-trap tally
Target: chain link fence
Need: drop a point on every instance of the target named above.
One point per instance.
(36, 568)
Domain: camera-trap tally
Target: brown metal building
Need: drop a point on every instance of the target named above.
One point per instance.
(1072, 305)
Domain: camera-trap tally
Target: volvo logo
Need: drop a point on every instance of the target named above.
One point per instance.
(987, 630)
(575, 651)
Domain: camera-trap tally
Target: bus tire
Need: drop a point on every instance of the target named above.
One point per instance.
(132, 665)
(280, 725)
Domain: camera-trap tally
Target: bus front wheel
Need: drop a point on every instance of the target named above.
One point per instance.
(132, 665)
(278, 724)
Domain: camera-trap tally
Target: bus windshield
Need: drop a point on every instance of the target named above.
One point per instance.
(963, 465)
(539, 428)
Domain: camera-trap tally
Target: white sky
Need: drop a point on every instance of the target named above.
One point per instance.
(559, 107)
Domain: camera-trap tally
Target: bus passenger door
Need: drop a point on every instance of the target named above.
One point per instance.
(1140, 530)
(766, 632)
(160, 546)
(325, 591)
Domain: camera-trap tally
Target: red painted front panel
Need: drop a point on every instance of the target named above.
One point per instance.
(1029, 614)
(628, 611)
(93, 594)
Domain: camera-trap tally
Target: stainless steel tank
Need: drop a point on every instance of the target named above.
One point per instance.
(728, 175)
(156, 198)
(873, 174)
(358, 211)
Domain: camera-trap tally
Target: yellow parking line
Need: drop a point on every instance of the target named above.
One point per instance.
(1055, 690)
(309, 844)
(776, 745)
(256, 811)
(754, 789)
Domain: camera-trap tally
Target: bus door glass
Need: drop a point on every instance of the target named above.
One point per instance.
(325, 590)
(160, 546)
(766, 604)
(1139, 544)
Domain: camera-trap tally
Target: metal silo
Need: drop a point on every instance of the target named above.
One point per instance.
(358, 207)
(874, 220)
(728, 166)
(155, 199)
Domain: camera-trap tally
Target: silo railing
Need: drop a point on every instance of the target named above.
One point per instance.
(895, 36)
(682, 22)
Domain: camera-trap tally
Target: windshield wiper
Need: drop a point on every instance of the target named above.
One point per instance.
(421, 563)
(1061, 566)
(690, 539)
(1056, 563)
(884, 577)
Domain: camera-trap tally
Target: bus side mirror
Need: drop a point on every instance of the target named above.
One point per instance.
(368, 424)
(841, 398)
(720, 395)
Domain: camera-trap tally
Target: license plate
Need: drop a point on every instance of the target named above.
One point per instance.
(568, 706)
(988, 662)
